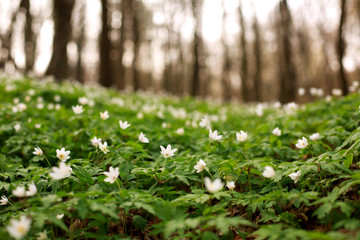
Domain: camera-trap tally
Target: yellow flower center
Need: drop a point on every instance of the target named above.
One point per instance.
(21, 229)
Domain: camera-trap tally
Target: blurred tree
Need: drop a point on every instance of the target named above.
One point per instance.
(226, 66)
(244, 69)
(6, 42)
(288, 76)
(62, 11)
(80, 40)
(136, 29)
(340, 47)
(198, 57)
(258, 63)
(29, 36)
(105, 73)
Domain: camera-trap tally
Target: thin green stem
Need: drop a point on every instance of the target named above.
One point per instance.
(210, 174)
(47, 160)
(249, 179)
(202, 179)
(164, 164)
(117, 182)
(312, 155)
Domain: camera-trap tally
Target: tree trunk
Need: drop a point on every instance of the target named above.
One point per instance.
(105, 48)
(80, 43)
(58, 66)
(244, 75)
(258, 64)
(197, 45)
(287, 68)
(137, 42)
(6, 42)
(341, 46)
(29, 38)
(125, 8)
(226, 68)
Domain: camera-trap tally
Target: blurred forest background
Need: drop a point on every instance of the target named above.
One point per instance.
(245, 50)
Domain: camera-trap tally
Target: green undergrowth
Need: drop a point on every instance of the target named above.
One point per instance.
(154, 199)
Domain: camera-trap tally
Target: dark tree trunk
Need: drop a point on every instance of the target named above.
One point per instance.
(258, 64)
(197, 51)
(126, 18)
(105, 48)
(226, 68)
(29, 37)
(244, 74)
(80, 43)
(341, 46)
(58, 66)
(137, 42)
(287, 68)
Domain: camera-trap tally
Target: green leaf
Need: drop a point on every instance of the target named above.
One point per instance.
(139, 222)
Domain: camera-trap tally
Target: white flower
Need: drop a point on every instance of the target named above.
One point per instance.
(276, 132)
(112, 175)
(259, 110)
(32, 190)
(268, 172)
(142, 138)
(37, 126)
(57, 107)
(167, 152)
(4, 200)
(104, 147)
(50, 106)
(62, 154)
(38, 151)
(39, 99)
(241, 136)
(31, 92)
(336, 92)
(57, 98)
(214, 135)
(124, 125)
(165, 125)
(295, 176)
(91, 103)
(313, 91)
(200, 166)
(59, 216)
(95, 141)
(19, 191)
(302, 143)
(21, 107)
(301, 91)
(104, 115)
(205, 122)
(40, 105)
(17, 127)
(42, 236)
(83, 100)
(277, 104)
(140, 115)
(215, 186)
(230, 185)
(319, 92)
(77, 109)
(291, 106)
(19, 228)
(180, 131)
(315, 136)
(61, 172)
(27, 98)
